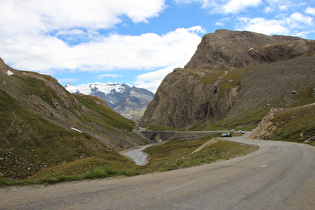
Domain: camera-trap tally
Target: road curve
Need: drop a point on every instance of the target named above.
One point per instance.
(279, 175)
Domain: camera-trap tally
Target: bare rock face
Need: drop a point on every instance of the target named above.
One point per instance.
(187, 97)
(266, 127)
(225, 49)
(231, 73)
(180, 100)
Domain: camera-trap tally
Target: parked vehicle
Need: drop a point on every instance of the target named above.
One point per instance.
(226, 135)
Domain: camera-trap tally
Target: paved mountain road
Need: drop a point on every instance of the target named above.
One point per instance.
(279, 175)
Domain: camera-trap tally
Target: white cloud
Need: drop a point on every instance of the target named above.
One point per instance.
(224, 6)
(46, 15)
(235, 6)
(264, 26)
(67, 80)
(152, 80)
(297, 20)
(109, 75)
(71, 32)
(279, 5)
(284, 7)
(285, 26)
(40, 36)
(268, 9)
(304, 34)
(310, 10)
(147, 51)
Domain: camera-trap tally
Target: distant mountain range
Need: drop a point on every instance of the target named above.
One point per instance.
(127, 101)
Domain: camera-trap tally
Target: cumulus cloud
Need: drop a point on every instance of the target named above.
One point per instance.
(310, 10)
(224, 6)
(49, 36)
(286, 25)
(46, 15)
(235, 6)
(147, 51)
(298, 20)
(152, 80)
(109, 75)
(262, 25)
(67, 80)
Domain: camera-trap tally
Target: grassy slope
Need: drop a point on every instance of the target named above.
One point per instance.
(30, 138)
(106, 116)
(178, 154)
(168, 156)
(297, 124)
(30, 142)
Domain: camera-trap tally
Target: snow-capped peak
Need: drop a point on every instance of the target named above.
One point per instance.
(87, 89)
(121, 97)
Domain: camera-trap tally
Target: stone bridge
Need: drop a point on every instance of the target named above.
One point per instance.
(180, 135)
(164, 135)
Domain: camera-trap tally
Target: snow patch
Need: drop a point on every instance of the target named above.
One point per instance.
(77, 130)
(10, 73)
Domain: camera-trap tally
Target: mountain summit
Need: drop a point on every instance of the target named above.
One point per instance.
(127, 101)
(227, 49)
(233, 80)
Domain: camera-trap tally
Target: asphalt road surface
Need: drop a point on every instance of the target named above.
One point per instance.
(279, 175)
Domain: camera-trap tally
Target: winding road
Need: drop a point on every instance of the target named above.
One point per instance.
(279, 175)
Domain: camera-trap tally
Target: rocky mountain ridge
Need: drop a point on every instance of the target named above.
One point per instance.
(233, 79)
(226, 49)
(127, 101)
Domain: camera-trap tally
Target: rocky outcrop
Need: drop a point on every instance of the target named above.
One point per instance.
(288, 123)
(266, 128)
(224, 81)
(180, 100)
(225, 49)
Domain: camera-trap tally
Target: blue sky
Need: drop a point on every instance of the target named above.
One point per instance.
(136, 42)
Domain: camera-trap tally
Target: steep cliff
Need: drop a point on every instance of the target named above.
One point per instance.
(185, 97)
(233, 79)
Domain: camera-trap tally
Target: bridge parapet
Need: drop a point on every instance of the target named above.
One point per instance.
(164, 135)
(178, 135)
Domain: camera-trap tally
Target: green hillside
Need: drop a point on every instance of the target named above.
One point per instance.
(42, 125)
(288, 124)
